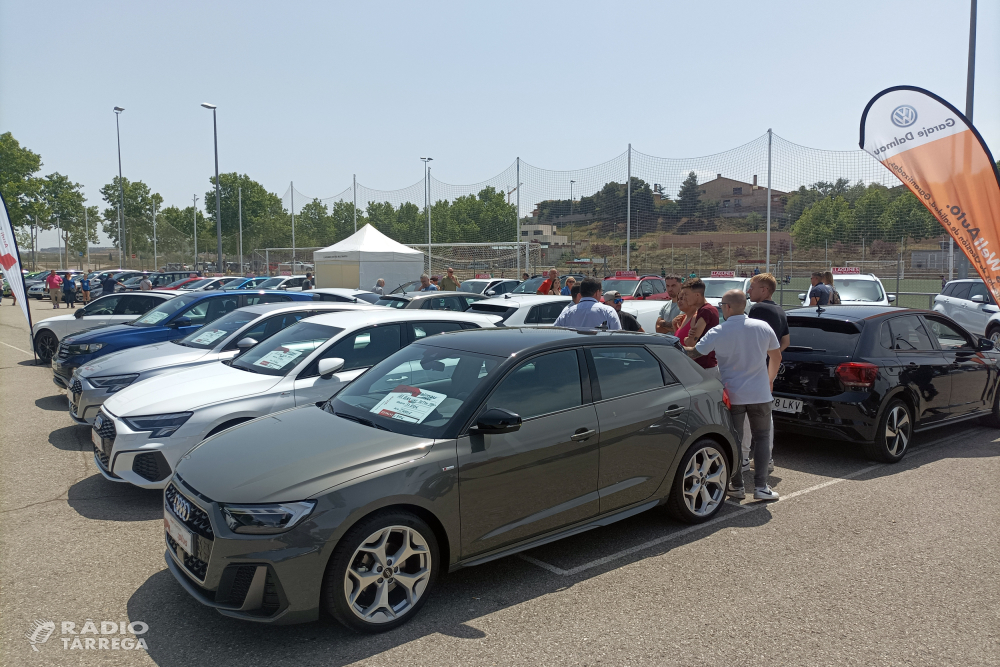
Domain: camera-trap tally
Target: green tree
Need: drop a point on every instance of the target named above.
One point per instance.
(905, 217)
(20, 187)
(138, 220)
(829, 218)
(868, 211)
(266, 223)
(65, 209)
(688, 196)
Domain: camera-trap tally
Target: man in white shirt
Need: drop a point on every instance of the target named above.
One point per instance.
(589, 313)
(145, 284)
(742, 345)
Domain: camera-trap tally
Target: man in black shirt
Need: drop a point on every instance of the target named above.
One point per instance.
(761, 290)
(109, 284)
(614, 299)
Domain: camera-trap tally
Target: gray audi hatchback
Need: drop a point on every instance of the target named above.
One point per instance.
(459, 449)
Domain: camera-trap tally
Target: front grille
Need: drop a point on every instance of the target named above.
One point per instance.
(151, 465)
(235, 584)
(103, 458)
(196, 566)
(63, 350)
(76, 387)
(107, 431)
(198, 521)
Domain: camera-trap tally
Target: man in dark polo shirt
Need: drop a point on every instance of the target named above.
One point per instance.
(614, 299)
(762, 287)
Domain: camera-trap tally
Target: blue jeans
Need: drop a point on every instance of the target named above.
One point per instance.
(759, 416)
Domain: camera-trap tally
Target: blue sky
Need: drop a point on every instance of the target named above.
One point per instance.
(317, 91)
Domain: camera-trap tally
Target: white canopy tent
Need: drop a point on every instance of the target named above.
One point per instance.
(364, 257)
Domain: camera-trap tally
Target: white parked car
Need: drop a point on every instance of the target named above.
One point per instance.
(645, 312)
(489, 286)
(857, 290)
(345, 295)
(290, 283)
(518, 310)
(716, 287)
(969, 303)
(142, 431)
(222, 339)
(115, 308)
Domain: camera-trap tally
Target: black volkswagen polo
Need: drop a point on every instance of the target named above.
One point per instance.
(876, 375)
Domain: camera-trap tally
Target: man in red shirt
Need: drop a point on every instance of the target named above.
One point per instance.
(54, 284)
(706, 318)
(551, 285)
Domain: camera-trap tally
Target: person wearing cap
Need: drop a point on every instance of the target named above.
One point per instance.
(450, 283)
(614, 299)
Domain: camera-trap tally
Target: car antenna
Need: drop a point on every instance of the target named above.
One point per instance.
(820, 309)
(604, 326)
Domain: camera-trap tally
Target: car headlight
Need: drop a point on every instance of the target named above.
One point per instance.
(266, 519)
(159, 426)
(84, 348)
(113, 383)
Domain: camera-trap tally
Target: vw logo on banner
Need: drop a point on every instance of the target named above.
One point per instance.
(904, 116)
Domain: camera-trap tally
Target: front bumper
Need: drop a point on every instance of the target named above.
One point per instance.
(851, 416)
(142, 462)
(85, 400)
(263, 578)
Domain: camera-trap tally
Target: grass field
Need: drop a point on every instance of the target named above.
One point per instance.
(787, 295)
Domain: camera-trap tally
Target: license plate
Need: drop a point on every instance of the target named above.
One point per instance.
(181, 535)
(96, 439)
(787, 405)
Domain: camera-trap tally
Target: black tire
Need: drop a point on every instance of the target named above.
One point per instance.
(894, 434)
(704, 465)
(993, 333)
(422, 566)
(46, 345)
(994, 418)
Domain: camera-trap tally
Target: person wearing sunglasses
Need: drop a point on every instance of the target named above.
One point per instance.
(614, 299)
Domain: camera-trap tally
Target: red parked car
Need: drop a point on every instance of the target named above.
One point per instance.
(180, 283)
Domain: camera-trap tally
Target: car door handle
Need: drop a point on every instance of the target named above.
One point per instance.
(673, 411)
(583, 434)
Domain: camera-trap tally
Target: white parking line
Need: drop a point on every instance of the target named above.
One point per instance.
(742, 510)
(18, 349)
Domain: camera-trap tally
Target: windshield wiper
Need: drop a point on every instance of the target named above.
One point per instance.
(360, 420)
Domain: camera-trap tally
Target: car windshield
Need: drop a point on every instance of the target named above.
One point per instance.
(530, 286)
(195, 284)
(714, 289)
(392, 303)
(243, 284)
(417, 391)
(411, 286)
(211, 335)
(280, 353)
(164, 310)
(852, 289)
(271, 282)
(623, 287)
(178, 282)
(369, 297)
(134, 280)
(474, 286)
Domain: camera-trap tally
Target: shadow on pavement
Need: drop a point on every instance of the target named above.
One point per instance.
(32, 362)
(97, 498)
(55, 403)
(71, 438)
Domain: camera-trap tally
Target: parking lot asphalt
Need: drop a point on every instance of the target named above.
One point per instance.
(858, 564)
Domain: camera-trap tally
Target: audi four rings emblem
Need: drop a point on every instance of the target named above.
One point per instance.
(904, 116)
(182, 508)
(99, 422)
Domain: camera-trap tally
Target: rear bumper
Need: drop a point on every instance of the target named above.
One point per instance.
(851, 416)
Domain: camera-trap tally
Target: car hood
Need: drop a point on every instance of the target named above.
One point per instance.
(188, 390)
(49, 320)
(142, 358)
(293, 455)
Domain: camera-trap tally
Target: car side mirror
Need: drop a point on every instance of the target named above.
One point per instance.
(978, 298)
(79, 314)
(802, 296)
(985, 345)
(282, 287)
(498, 420)
(328, 367)
(180, 322)
(491, 292)
(891, 297)
(245, 343)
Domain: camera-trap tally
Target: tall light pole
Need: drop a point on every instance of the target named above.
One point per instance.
(194, 222)
(572, 254)
(427, 207)
(155, 262)
(121, 191)
(218, 196)
(86, 236)
(240, 205)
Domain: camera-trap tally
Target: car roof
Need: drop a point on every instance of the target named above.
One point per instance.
(522, 300)
(340, 290)
(852, 313)
(291, 306)
(517, 340)
(377, 314)
(424, 295)
(158, 292)
(965, 280)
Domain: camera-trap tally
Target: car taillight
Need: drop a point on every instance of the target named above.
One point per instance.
(857, 374)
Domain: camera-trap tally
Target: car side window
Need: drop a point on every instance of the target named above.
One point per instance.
(659, 287)
(885, 336)
(961, 291)
(267, 328)
(908, 334)
(360, 349)
(294, 282)
(546, 313)
(136, 304)
(103, 306)
(947, 336)
(425, 329)
(541, 385)
(948, 289)
(625, 370)
(209, 310)
(646, 288)
(332, 297)
(979, 289)
(254, 299)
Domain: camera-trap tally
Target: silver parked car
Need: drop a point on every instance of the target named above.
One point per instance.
(459, 449)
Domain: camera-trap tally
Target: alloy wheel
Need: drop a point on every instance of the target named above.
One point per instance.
(46, 345)
(897, 431)
(388, 574)
(995, 337)
(705, 479)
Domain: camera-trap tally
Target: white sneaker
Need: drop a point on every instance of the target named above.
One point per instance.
(736, 492)
(767, 493)
(747, 465)
(770, 466)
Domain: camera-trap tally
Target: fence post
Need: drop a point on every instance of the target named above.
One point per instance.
(628, 214)
(430, 269)
(292, 190)
(354, 187)
(899, 263)
(768, 200)
(267, 261)
(781, 281)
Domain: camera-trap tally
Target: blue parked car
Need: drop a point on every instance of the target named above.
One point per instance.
(174, 318)
(244, 283)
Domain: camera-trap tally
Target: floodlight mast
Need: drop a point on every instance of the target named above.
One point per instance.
(121, 191)
(218, 196)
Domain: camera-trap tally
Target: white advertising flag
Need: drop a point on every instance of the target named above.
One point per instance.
(10, 261)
